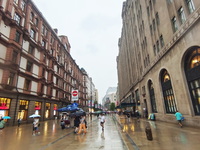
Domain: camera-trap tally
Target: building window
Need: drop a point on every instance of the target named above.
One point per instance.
(42, 88)
(181, 15)
(151, 29)
(157, 19)
(32, 16)
(27, 84)
(154, 25)
(43, 44)
(58, 69)
(11, 78)
(43, 72)
(14, 57)
(158, 46)
(168, 93)
(154, 50)
(47, 112)
(17, 36)
(152, 97)
(174, 24)
(23, 110)
(51, 51)
(148, 12)
(44, 58)
(29, 66)
(162, 41)
(23, 4)
(32, 34)
(36, 21)
(150, 4)
(192, 67)
(190, 5)
(31, 50)
(16, 1)
(17, 18)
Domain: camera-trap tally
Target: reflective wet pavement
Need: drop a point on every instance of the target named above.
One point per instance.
(119, 134)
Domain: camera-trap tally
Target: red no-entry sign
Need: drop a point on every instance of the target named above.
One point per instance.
(74, 93)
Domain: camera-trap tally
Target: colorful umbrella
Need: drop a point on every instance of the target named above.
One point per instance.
(34, 116)
(6, 117)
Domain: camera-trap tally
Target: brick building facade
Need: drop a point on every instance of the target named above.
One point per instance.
(37, 72)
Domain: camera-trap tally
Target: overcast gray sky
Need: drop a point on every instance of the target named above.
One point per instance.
(93, 28)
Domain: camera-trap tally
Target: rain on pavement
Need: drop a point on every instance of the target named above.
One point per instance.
(119, 134)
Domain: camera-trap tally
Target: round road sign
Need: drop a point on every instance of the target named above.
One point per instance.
(74, 93)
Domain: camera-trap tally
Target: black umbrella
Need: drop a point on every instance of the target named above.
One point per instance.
(77, 113)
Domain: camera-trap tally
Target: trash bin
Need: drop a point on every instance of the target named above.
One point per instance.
(148, 133)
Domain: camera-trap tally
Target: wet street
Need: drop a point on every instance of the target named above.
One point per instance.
(119, 134)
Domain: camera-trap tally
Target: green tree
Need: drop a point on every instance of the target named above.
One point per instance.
(112, 106)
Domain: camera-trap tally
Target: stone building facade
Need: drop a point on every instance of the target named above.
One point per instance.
(159, 58)
(37, 72)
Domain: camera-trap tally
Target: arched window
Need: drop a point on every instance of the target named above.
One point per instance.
(152, 97)
(192, 71)
(168, 94)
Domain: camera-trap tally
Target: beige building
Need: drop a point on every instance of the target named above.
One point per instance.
(159, 58)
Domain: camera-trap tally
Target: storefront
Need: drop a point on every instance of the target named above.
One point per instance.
(55, 108)
(48, 110)
(4, 106)
(23, 109)
(38, 108)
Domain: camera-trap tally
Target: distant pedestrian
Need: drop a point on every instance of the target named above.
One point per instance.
(179, 116)
(145, 112)
(102, 121)
(128, 116)
(19, 122)
(137, 114)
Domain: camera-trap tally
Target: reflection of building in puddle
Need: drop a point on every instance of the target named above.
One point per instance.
(125, 128)
(102, 135)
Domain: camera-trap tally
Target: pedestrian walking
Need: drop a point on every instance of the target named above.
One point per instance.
(19, 122)
(137, 114)
(2, 123)
(82, 125)
(76, 123)
(179, 116)
(128, 116)
(36, 125)
(102, 121)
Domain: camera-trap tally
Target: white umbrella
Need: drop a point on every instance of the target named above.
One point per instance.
(34, 116)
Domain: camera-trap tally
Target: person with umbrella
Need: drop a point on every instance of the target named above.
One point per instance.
(82, 125)
(36, 125)
(76, 123)
(2, 123)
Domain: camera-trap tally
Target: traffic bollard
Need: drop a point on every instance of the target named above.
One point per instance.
(149, 133)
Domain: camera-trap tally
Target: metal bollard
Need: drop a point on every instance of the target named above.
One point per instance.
(148, 133)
